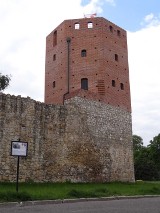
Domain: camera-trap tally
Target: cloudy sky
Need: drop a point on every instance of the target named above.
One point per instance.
(24, 25)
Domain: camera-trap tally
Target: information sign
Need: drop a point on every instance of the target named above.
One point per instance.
(19, 148)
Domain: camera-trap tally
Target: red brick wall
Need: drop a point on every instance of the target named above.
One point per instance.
(99, 66)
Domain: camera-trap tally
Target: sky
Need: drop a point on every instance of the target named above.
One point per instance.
(24, 25)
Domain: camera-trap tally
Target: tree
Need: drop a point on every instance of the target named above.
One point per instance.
(137, 142)
(146, 159)
(154, 148)
(145, 168)
(4, 81)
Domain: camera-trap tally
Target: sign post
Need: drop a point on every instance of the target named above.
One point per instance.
(17, 174)
(19, 149)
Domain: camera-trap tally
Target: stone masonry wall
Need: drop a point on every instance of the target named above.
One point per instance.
(81, 141)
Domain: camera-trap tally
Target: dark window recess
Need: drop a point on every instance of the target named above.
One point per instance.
(55, 38)
(54, 84)
(116, 57)
(113, 83)
(84, 83)
(54, 57)
(118, 32)
(111, 29)
(122, 86)
(83, 53)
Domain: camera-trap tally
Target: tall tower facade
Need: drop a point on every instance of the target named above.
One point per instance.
(87, 57)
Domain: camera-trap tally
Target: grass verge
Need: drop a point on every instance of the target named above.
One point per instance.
(53, 191)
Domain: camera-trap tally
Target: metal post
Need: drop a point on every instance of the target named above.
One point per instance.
(68, 42)
(17, 174)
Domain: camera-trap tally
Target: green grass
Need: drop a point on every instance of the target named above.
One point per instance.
(52, 191)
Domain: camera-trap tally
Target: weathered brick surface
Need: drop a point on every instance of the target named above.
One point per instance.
(80, 141)
(99, 66)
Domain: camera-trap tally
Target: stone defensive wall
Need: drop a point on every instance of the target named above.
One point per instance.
(80, 141)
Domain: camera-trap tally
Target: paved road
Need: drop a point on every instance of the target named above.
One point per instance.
(142, 205)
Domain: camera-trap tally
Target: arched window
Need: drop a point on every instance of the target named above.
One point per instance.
(118, 32)
(54, 84)
(116, 57)
(111, 28)
(90, 24)
(84, 83)
(83, 53)
(113, 83)
(76, 26)
(122, 86)
(55, 38)
(54, 57)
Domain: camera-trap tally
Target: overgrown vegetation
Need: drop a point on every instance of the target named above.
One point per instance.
(53, 191)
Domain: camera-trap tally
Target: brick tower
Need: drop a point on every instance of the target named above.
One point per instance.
(87, 57)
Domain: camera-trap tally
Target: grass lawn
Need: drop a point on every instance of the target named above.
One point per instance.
(52, 191)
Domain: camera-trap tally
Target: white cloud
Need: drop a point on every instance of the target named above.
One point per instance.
(96, 6)
(149, 17)
(151, 20)
(144, 66)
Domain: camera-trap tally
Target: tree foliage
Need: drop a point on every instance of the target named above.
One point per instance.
(4, 81)
(146, 159)
(137, 142)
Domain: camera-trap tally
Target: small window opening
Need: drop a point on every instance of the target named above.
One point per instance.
(118, 32)
(55, 38)
(116, 57)
(122, 86)
(76, 26)
(84, 83)
(113, 83)
(90, 25)
(54, 84)
(83, 53)
(111, 29)
(54, 57)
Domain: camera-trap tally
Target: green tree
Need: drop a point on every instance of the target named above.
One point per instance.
(4, 81)
(154, 148)
(137, 142)
(145, 168)
(144, 165)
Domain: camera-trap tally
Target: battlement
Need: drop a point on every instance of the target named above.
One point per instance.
(80, 141)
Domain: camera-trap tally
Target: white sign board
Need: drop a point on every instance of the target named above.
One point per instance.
(19, 148)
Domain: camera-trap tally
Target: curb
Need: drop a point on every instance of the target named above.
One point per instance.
(45, 202)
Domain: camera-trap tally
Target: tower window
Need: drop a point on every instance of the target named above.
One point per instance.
(118, 32)
(76, 26)
(55, 38)
(90, 25)
(84, 83)
(54, 84)
(113, 83)
(111, 29)
(122, 86)
(83, 53)
(116, 57)
(54, 57)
